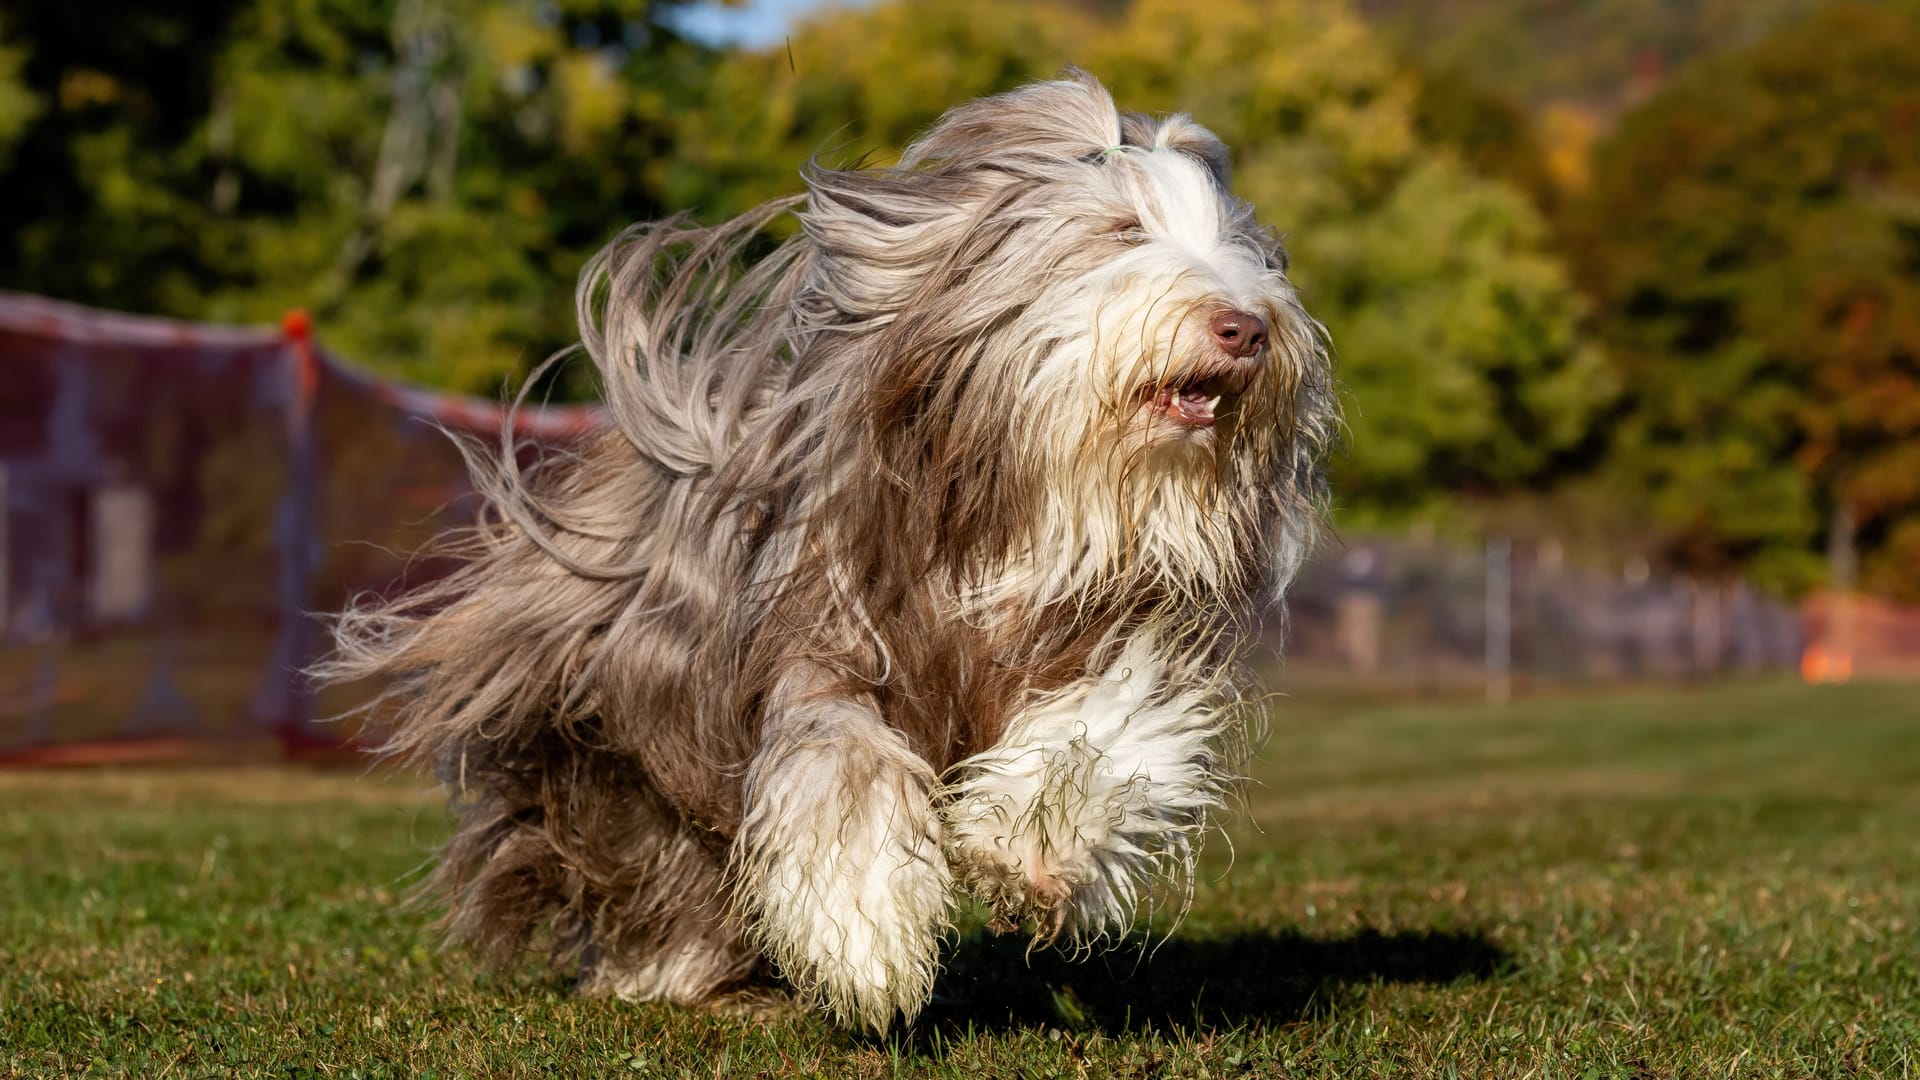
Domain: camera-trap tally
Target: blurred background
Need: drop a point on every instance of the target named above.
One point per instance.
(1625, 294)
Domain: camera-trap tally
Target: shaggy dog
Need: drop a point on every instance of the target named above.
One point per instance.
(913, 560)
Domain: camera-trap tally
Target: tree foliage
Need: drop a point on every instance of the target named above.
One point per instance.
(18, 104)
(1456, 327)
(427, 175)
(1573, 67)
(1596, 53)
(1754, 235)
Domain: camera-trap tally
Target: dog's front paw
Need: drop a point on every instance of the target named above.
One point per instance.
(1022, 880)
(847, 888)
(1092, 801)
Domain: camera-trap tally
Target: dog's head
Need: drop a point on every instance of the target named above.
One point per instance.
(1077, 347)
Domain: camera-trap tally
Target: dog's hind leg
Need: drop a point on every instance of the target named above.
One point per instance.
(838, 862)
(585, 852)
(659, 930)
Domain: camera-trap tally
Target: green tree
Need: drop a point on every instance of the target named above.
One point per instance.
(1597, 53)
(426, 175)
(1493, 136)
(1754, 236)
(98, 200)
(1573, 67)
(18, 104)
(1457, 330)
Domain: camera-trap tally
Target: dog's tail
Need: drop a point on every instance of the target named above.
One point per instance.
(619, 535)
(572, 642)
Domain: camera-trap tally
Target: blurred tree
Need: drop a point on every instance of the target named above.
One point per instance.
(97, 201)
(1754, 234)
(1572, 67)
(427, 175)
(18, 104)
(450, 191)
(1457, 329)
(1453, 108)
(1598, 54)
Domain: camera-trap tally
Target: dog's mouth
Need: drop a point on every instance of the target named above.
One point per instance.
(1199, 398)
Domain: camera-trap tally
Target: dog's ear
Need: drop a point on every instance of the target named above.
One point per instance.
(1180, 134)
(1069, 118)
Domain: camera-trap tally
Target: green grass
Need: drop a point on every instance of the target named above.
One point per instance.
(1701, 883)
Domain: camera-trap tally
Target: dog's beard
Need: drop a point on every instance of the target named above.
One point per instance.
(1148, 437)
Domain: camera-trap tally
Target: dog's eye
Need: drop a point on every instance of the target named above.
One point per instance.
(1129, 232)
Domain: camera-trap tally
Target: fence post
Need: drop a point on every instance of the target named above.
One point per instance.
(1705, 628)
(1843, 567)
(284, 703)
(1358, 613)
(1499, 661)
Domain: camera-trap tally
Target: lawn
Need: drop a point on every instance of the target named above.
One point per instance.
(1684, 883)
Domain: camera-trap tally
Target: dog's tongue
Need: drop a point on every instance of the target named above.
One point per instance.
(1190, 407)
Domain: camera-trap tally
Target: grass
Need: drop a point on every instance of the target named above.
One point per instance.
(1704, 883)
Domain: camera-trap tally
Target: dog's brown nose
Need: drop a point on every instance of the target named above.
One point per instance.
(1239, 333)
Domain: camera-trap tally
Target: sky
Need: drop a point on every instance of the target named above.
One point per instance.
(754, 23)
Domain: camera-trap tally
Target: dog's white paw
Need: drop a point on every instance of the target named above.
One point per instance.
(1091, 797)
(1025, 843)
(844, 880)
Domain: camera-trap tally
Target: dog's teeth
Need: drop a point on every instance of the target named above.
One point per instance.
(1214, 402)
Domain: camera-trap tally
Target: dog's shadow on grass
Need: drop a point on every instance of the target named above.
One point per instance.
(1221, 981)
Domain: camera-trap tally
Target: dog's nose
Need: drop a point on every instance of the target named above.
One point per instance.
(1239, 333)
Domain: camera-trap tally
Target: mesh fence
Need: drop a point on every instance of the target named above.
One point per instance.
(1431, 616)
(178, 499)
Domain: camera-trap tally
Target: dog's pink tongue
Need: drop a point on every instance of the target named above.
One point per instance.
(1193, 407)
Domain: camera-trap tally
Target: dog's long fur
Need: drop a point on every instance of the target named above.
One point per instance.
(884, 579)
